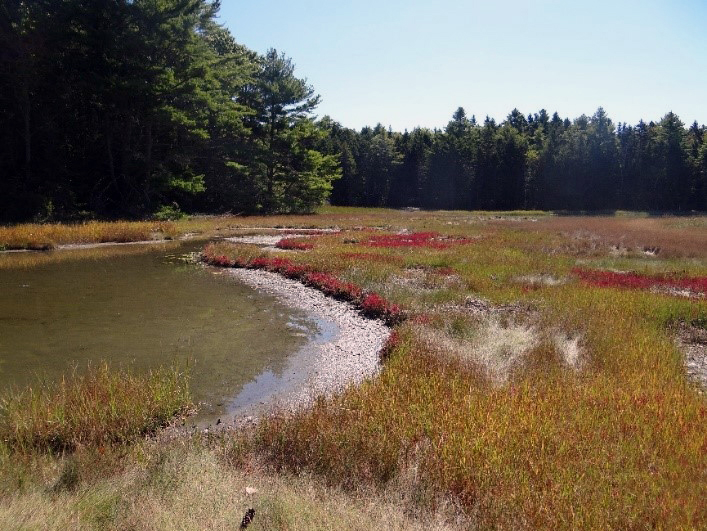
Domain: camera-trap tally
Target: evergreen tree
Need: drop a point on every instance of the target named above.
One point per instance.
(289, 174)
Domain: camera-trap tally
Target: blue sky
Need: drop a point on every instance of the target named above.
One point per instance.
(405, 63)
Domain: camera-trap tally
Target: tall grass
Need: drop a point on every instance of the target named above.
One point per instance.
(98, 407)
(48, 236)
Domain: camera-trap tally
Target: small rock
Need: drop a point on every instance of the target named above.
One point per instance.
(250, 491)
(247, 518)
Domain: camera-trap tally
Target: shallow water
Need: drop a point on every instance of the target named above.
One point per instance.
(142, 307)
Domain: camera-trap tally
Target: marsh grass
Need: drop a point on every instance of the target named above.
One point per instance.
(574, 414)
(97, 407)
(616, 438)
(666, 237)
(48, 236)
(187, 484)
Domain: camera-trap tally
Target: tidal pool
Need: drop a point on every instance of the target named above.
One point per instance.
(143, 307)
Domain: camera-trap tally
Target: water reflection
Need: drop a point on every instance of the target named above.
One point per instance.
(142, 306)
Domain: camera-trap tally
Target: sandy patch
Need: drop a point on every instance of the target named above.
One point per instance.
(480, 307)
(678, 292)
(256, 239)
(570, 348)
(540, 279)
(267, 241)
(496, 348)
(692, 342)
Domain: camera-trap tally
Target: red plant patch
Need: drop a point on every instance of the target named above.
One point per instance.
(293, 244)
(222, 261)
(430, 240)
(695, 285)
(371, 305)
(330, 285)
(393, 342)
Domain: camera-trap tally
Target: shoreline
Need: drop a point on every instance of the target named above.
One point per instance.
(345, 353)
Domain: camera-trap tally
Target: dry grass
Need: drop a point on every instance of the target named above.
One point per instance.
(664, 237)
(48, 236)
(186, 485)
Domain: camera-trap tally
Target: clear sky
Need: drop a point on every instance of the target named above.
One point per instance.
(405, 63)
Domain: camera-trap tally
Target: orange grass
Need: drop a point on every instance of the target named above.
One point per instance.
(100, 407)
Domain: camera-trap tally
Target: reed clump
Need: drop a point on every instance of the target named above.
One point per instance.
(35, 236)
(95, 408)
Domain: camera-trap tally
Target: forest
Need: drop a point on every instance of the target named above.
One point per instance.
(132, 109)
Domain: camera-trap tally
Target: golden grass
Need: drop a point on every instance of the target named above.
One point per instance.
(48, 236)
(99, 407)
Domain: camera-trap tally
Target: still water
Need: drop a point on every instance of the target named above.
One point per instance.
(142, 307)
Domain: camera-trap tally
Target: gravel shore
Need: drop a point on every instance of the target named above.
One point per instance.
(344, 353)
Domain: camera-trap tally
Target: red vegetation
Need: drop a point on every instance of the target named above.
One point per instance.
(697, 285)
(430, 240)
(371, 304)
(221, 261)
(330, 285)
(292, 244)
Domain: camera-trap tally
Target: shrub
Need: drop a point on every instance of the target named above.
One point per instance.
(169, 213)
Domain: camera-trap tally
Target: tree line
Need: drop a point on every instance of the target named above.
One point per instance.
(526, 162)
(129, 108)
